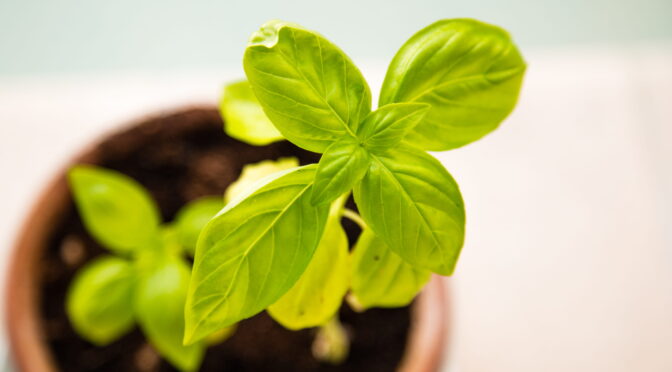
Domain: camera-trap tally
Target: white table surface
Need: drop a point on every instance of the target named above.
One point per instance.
(567, 264)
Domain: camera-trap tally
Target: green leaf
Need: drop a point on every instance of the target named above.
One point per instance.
(159, 305)
(99, 300)
(168, 245)
(193, 217)
(253, 173)
(341, 166)
(411, 202)
(253, 252)
(468, 71)
(244, 119)
(318, 294)
(380, 278)
(116, 210)
(386, 127)
(307, 86)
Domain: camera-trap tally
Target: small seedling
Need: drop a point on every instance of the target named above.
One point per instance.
(279, 245)
(145, 277)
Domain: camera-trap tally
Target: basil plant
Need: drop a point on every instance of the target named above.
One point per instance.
(144, 278)
(278, 244)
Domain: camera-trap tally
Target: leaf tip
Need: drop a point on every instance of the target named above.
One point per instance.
(198, 328)
(73, 172)
(77, 172)
(189, 336)
(191, 325)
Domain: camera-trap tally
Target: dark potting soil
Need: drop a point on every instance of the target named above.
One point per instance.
(178, 158)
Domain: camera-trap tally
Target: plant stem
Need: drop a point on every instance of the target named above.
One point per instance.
(338, 205)
(331, 343)
(354, 217)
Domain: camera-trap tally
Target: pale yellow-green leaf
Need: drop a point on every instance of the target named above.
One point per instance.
(318, 294)
(380, 278)
(253, 173)
(244, 118)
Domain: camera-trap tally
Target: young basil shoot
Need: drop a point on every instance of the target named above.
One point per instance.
(280, 246)
(145, 277)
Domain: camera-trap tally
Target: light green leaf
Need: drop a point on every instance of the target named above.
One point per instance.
(341, 166)
(307, 86)
(252, 173)
(193, 217)
(253, 252)
(318, 294)
(380, 278)
(167, 244)
(159, 305)
(468, 71)
(99, 300)
(116, 210)
(411, 202)
(386, 127)
(244, 119)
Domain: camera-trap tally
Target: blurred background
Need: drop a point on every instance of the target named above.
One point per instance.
(567, 264)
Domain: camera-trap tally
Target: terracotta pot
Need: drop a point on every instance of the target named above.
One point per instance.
(30, 352)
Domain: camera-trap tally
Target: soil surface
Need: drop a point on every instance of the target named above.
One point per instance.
(178, 158)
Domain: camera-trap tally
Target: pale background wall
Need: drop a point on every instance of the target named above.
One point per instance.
(567, 264)
(72, 36)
